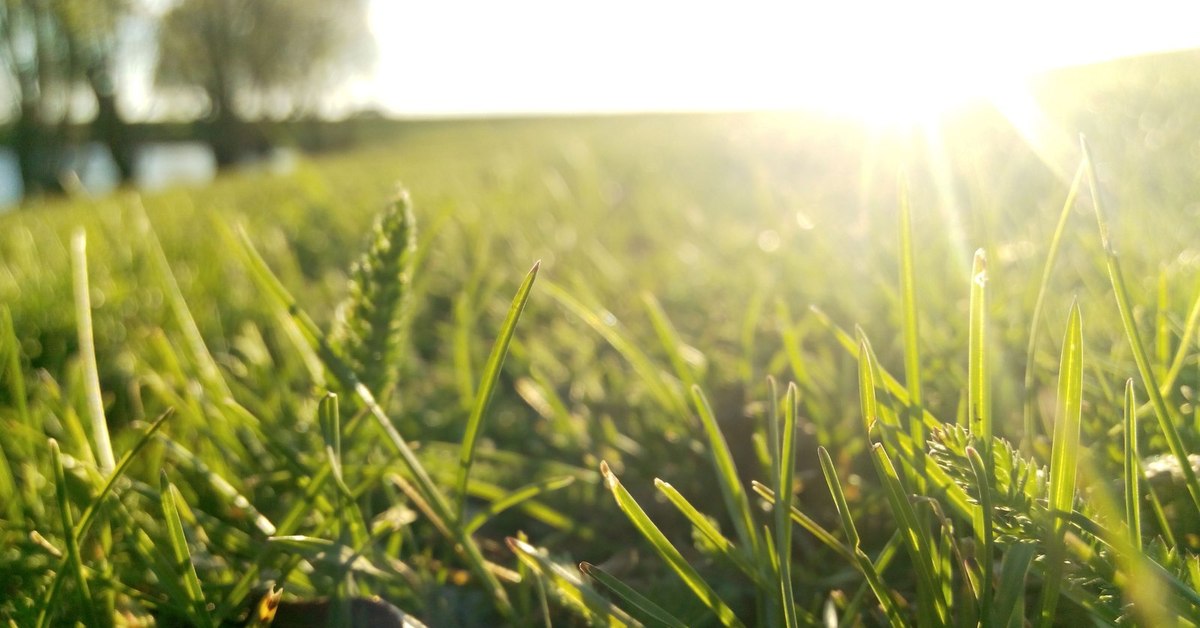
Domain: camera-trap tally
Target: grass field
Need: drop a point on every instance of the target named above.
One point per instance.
(716, 297)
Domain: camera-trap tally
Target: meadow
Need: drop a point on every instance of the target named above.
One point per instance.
(737, 369)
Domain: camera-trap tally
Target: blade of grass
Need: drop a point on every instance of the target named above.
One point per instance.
(669, 338)
(1064, 459)
(487, 386)
(645, 607)
(986, 548)
(1133, 474)
(663, 547)
(1162, 411)
(912, 355)
(1035, 327)
(87, 352)
(736, 503)
(723, 545)
(516, 498)
(1010, 590)
(861, 560)
(180, 554)
(979, 382)
(785, 476)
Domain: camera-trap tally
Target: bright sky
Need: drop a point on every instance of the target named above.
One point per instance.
(857, 57)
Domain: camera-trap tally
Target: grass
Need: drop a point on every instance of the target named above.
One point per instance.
(810, 392)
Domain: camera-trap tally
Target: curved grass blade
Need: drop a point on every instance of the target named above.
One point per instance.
(669, 337)
(180, 554)
(804, 521)
(487, 386)
(1010, 590)
(861, 560)
(663, 547)
(736, 502)
(1035, 328)
(643, 604)
(1162, 411)
(87, 351)
(570, 588)
(1064, 459)
(710, 531)
(74, 561)
(516, 498)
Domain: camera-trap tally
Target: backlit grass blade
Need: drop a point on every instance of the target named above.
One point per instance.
(645, 607)
(736, 503)
(786, 469)
(1064, 459)
(1035, 318)
(710, 531)
(87, 352)
(1185, 345)
(912, 354)
(986, 548)
(487, 386)
(74, 560)
(180, 554)
(979, 402)
(516, 498)
(663, 547)
(808, 523)
(1133, 474)
(669, 338)
(571, 589)
(861, 560)
(1162, 411)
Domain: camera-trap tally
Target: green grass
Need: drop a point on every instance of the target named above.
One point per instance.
(351, 406)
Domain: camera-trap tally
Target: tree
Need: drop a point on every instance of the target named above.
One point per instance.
(252, 57)
(51, 52)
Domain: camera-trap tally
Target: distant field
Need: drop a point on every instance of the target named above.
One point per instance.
(675, 250)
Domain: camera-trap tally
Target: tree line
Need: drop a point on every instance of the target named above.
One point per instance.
(226, 62)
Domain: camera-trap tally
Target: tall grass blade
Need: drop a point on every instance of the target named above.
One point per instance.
(736, 503)
(722, 544)
(1064, 459)
(645, 607)
(783, 488)
(487, 386)
(669, 338)
(180, 554)
(1162, 411)
(87, 352)
(663, 547)
(912, 354)
(1133, 472)
(1039, 303)
(979, 382)
(1010, 589)
(986, 548)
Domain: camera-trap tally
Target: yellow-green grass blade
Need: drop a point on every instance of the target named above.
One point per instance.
(185, 569)
(1064, 459)
(806, 522)
(978, 380)
(1132, 468)
(663, 547)
(74, 560)
(315, 341)
(917, 541)
(349, 516)
(87, 352)
(736, 502)
(233, 497)
(1185, 344)
(882, 561)
(487, 386)
(580, 597)
(669, 338)
(785, 473)
(701, 523)
(1162, 333)
(1162, 411)
(912, 354)
(860, 559)
(516, 498)
(984, 530)
(1035, 327)
(646, 608)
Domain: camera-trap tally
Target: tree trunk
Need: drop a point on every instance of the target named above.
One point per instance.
(109, 127)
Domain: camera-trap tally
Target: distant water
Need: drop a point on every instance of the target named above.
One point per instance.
(156, 166)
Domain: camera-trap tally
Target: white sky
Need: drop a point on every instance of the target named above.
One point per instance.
(532, 56)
